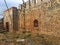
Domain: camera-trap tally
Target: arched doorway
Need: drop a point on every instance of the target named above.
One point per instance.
(7, 26)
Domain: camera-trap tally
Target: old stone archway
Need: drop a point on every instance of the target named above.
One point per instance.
(7, 26)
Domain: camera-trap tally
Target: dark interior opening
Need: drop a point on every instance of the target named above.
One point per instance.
(35, 23)
(7, 26)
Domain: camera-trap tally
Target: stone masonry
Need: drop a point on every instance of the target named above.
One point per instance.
(11, 19)
(44, 14)
(41, 17)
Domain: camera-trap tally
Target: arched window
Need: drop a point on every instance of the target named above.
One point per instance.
(35, 23)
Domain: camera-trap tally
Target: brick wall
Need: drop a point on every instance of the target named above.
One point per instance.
(47, 17)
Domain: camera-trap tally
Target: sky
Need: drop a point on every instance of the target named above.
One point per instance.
(10, 3)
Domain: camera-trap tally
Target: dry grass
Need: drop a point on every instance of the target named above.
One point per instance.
(45, 40)
(38, 39)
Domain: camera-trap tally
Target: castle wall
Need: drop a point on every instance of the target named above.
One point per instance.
(48, 20)
(10, 18)
(58, 1)
(46, 14)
